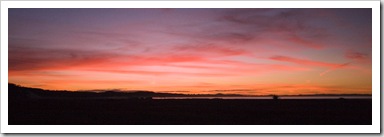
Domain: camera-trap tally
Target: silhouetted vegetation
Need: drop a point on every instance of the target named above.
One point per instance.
(275, 97)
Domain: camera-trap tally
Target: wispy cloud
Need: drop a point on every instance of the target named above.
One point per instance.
(179, 49)
(333, 68)
(304, 61)
(356, 56)
(311, 63)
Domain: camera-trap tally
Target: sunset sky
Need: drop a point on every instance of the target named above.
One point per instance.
(204, 51)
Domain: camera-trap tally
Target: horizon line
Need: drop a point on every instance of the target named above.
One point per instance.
(170, 92)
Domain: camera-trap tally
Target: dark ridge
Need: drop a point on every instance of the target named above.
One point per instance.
(17, 91)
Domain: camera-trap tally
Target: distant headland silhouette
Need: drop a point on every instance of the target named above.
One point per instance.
(17, 91)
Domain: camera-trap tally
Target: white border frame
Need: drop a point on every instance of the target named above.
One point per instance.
(374, 128)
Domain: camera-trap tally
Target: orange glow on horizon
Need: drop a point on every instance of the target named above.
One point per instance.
(193, 51)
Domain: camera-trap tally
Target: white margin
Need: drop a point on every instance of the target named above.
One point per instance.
(374, 128)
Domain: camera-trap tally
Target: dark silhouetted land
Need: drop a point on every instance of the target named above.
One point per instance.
(29, 106)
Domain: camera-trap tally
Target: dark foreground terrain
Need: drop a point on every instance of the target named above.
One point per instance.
(189, 112)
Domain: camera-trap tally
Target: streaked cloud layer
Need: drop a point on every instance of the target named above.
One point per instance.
(245, 51)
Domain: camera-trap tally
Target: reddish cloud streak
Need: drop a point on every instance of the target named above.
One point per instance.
(358, 57)
(184, 49)
(306, 62)
(333, 68)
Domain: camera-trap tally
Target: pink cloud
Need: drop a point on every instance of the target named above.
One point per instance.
(357, 56)
(304, 61)
(211, 50)
(331, 66)
(334, 68)
(299, 40)
(194, 44)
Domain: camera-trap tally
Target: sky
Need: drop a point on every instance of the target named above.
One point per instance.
(193, 51)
